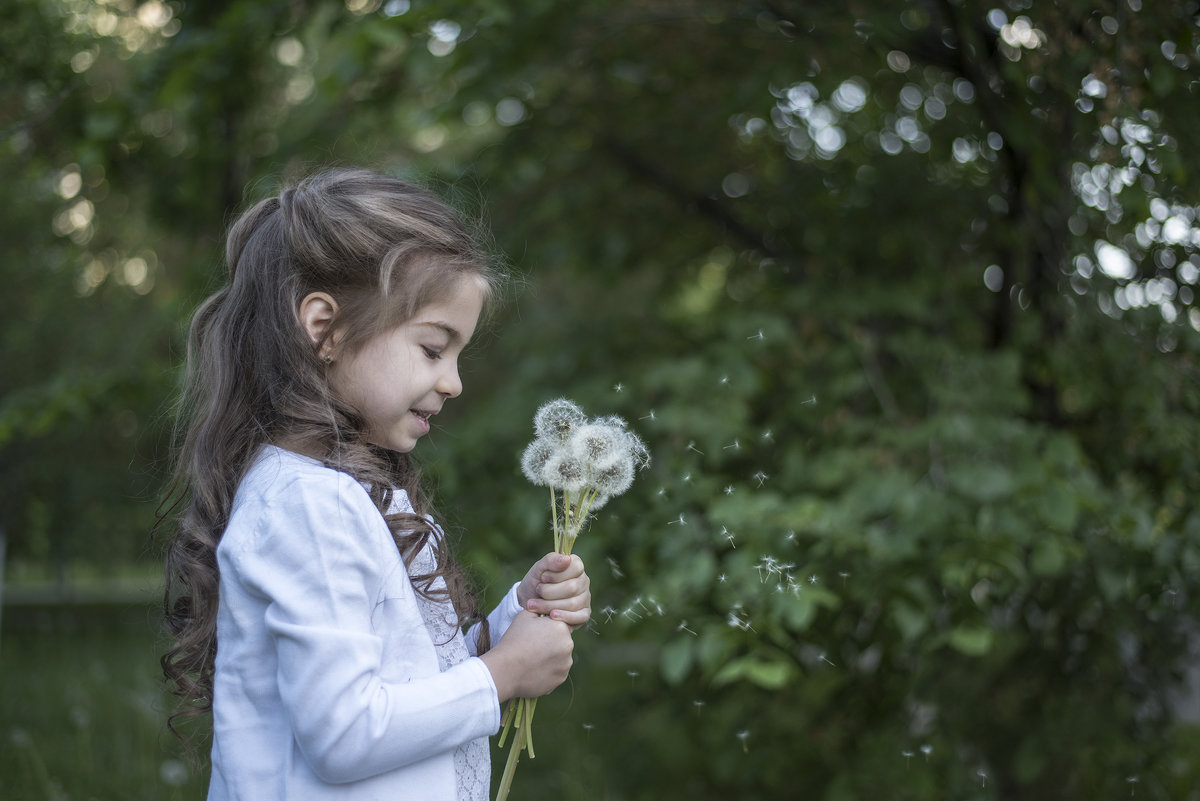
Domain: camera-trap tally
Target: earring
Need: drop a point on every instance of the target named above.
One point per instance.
(328, 359)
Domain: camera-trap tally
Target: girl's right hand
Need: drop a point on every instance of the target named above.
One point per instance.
(532, 658)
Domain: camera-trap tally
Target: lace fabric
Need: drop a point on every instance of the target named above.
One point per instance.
(472, 760)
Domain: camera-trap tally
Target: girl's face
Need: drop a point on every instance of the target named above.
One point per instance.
(400, 378)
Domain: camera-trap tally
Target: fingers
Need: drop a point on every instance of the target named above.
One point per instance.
(559, 587)
(559, 567)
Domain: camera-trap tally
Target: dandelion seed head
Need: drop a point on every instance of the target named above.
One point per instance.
(564, 471)
(595, 444)
(613, 479)
(533, 461)
(557, 419)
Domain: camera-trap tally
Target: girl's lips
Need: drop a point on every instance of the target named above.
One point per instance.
(422, 419)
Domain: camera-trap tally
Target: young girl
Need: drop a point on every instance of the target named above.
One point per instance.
(315, 607)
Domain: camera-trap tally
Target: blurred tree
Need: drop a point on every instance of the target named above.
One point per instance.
(901, 295)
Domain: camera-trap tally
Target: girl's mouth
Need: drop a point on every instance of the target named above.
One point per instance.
(422, 419)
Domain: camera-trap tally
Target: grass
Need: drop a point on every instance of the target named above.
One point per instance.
(82, 708)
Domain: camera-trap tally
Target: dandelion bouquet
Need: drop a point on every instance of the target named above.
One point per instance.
(584, 462)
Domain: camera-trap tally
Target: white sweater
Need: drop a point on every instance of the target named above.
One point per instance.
(327, 681)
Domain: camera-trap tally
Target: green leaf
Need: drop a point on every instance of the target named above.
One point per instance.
(971, 640)
(677, 658)
(1048, 557)
(768, 674)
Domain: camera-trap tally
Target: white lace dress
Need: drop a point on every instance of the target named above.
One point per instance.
(472, 760)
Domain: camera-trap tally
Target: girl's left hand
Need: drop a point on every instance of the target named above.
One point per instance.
(558, 586)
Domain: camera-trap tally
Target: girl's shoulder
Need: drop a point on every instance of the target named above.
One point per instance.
(276, 472)
(286, 494)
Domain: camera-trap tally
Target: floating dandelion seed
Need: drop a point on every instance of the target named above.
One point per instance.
(724, 380)
(813, 579)
(790, 536)
(767, 436)
(722, 579)
(825, 658)
(729, 489)
(735, 445)
(614, 568)
(680, 520)
(587, 727)
(812, 400)
(760, 477)
(683, 626)
(618, 387)
(1132, 781)
(649, 416)
(608, 613)
(744, 735)
(982, 774)
(758, 335)
(927, 749)
(908, 755)
(691, 446)
(686, 477)
(632, 674)
(699, 706)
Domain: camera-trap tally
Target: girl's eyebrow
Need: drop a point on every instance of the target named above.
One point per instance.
(450, 330)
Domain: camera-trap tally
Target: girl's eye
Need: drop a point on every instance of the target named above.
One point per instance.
(431, 353)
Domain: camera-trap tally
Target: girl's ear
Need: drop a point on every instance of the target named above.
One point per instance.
(316, 313)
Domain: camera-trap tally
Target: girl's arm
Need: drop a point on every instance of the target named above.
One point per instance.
(358, 703)
(498, 621)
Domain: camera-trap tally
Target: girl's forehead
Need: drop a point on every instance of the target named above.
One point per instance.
(457, 311)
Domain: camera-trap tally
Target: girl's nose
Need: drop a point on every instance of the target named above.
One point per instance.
(449, 383)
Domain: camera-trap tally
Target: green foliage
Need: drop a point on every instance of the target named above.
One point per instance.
(921, 517)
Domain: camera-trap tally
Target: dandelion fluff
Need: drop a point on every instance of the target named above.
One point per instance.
(614, 478)
(611, 421)
(557, 419)
(637, 450)
(596, 445)
(533, 461)
(564, 471)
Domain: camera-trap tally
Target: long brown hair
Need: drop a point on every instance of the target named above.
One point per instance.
(382, 248)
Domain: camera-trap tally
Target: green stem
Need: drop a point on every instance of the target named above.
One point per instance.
(554, 517)
(510, 766)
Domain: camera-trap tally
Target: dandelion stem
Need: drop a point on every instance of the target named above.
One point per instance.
(514, 754)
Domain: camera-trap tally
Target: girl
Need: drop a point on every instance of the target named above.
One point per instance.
(315, 608)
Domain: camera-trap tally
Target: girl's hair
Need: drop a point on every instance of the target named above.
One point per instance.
(382, 248)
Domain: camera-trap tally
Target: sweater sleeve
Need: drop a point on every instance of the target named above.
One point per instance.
(498, 621)
(319, 559)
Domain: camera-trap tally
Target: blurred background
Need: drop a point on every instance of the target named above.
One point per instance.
(901, 295)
